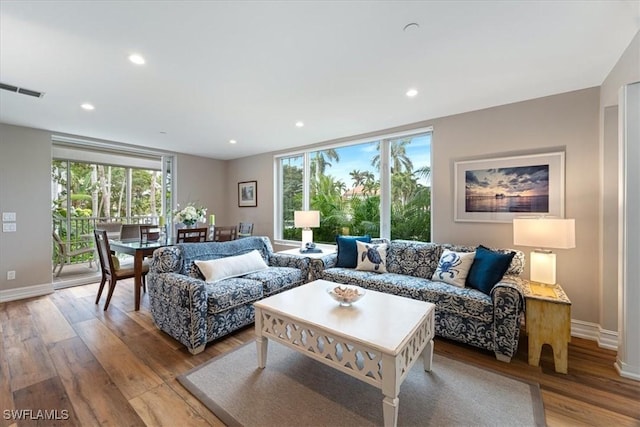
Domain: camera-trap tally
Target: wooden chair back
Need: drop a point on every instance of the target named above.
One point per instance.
(245, 229)
(225, 233)
(191, 235)
(149, 233)
(104, 253)
(130, 232)
(113, 229)
(110, 272)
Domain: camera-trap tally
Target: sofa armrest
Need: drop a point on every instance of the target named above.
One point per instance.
(508, 306)
(294, 261)
(179, 307)
(166, 260)
(318, 265)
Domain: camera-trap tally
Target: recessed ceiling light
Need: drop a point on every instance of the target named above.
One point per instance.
(88, 106)
(136, 59)
(411, 93)
(299, 124)
(232, 141)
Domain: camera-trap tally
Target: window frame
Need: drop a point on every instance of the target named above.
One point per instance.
(385, 177)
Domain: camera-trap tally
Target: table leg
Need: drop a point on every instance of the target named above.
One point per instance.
(427, 356)
(261, 341)
(390, 411)
(137, 272)
(390, 390)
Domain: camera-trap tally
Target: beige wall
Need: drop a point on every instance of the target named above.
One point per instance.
(25, 183)
(203, 182)
(256, 168)
(625, 71)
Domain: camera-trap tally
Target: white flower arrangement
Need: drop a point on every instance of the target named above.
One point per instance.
(190, 215)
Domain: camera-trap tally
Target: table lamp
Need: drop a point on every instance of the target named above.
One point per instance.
(543, 233)
(306, 220)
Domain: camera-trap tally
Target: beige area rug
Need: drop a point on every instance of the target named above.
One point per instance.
(295, 390)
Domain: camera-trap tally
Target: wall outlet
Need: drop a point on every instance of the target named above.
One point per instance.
(8, 216)
(8, 227)
(11, 275)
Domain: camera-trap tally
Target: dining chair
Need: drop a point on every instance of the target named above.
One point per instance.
(149, 233)
(191, 235)
(225, 233)
(111, 269)
(130, 232)
(65, 253)
(245, 229)
(113, 229)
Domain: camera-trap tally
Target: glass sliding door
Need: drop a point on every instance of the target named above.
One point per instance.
(85, 193)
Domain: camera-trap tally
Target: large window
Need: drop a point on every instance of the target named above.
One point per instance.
(379, 187)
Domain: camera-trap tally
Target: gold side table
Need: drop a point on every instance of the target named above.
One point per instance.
(548, 321)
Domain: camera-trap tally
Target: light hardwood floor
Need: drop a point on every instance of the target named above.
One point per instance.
(62, 352)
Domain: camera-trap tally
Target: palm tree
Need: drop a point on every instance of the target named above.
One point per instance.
(358, 177)
(398, 154)
(321, 160)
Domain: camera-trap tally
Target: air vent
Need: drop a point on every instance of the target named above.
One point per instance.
(21, 90)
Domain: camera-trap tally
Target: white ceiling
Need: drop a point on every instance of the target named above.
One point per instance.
(249, 70)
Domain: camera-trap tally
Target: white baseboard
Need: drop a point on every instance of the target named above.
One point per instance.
(26, 292)
(593, 331)
(627, 371)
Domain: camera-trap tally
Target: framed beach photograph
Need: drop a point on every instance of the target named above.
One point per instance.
(500, 189)
(248, 194)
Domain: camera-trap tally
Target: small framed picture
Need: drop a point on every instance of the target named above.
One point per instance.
(500, 189)
(248, 194)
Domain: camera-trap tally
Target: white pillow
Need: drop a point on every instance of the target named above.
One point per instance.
(453, 267)
(372, 257)
(233, 266)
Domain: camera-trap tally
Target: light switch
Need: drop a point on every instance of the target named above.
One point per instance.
(8, 216)
(8, 227)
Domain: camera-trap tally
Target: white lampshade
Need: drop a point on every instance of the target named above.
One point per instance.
(543, 233)
(557, 233)
(306, 219)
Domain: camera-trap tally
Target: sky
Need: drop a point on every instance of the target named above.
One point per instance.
(359, 157)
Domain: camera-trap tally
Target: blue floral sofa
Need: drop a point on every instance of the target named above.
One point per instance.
(488, 321)
(196, 312)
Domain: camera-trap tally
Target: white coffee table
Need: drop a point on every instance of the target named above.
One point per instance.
(376, 340)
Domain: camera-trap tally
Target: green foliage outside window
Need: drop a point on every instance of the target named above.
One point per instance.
(352, 205)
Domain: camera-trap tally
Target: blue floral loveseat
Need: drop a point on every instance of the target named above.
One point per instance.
(488, 320)
(196, 312)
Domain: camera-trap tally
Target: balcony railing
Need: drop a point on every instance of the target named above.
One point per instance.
(77, 233)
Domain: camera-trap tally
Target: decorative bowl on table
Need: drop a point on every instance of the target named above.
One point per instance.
(346, 294)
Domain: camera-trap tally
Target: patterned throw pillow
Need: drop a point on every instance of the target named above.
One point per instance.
(454, 267)
(372, 257)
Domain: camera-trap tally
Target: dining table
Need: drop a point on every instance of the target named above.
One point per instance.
(139, 250)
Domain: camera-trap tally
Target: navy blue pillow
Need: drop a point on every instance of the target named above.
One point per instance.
(487, 269)
(348, 251)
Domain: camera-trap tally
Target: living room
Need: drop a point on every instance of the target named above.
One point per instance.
(581, 121)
